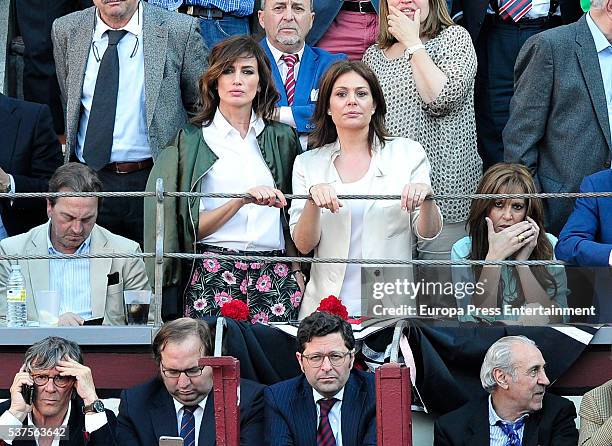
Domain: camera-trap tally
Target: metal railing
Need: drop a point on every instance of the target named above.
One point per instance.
(159, 254)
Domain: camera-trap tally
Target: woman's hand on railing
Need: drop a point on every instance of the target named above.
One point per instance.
(323, 195)
(509, 240)
(414, 194)
(265, 196)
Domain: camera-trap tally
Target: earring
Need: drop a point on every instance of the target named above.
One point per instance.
(373, 111)
(329, 112)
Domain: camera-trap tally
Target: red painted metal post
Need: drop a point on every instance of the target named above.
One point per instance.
(226, 381)
(393, 399)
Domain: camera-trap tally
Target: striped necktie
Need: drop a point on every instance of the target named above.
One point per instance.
(511, 431)
(514, 9)
(188, 425)
(290, 60)
(325, 436)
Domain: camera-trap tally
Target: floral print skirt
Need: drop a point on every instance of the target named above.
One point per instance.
(269, 289)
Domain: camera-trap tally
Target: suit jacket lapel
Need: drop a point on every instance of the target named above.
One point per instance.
(78, 54)
(305, 415)
(163, 414)
(9, 126)
(530, 433)
(478, 425)
(37, 271)
(278, 81)
(589, 63)
(155, 42)
(98, 272)
(306, 81)
(207, 435)
(353, 403)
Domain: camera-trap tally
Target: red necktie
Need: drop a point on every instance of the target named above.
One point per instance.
(325, 436)
(514, 9)
(290, 60)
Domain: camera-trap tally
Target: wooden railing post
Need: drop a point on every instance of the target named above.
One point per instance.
(393, 400)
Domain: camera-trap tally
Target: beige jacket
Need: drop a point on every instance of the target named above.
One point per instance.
(106, 300)
(596, 416)
(388, 231)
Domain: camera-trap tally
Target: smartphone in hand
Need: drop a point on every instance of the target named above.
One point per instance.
(28, 393)
(170, 441)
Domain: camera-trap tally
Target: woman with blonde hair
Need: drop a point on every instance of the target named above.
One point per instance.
(426, 67)
(509, 229)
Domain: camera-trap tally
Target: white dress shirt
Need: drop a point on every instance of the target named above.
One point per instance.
(350, 293)
(285, 113)
(198, 414)
(240, 167)
(334, 416)
(130, 135)
(70, 278)
(496, 434)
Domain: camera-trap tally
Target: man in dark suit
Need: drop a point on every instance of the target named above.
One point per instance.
(559, 124)
(329, 404)
(180, 401)
(586, 240)
(518, 410)
(498, 39)
(63, 398)
(29, 156)
(296, 67)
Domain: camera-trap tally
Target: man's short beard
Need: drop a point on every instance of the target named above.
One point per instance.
(288, 41)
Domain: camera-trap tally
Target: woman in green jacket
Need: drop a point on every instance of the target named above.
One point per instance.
(232, 146)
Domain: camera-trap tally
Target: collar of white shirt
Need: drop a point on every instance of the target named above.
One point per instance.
(278, 54)
(134, 26)
(317, 396)
(224, 128)
(494, 418)
(601, 42)
(83, 249)
(179, 406)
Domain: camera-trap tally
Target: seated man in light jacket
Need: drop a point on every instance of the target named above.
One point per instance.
(88, 288)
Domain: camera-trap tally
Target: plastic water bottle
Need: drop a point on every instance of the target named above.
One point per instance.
(16, 315)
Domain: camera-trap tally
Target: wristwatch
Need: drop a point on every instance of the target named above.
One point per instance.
(96, 407)
(408, 52)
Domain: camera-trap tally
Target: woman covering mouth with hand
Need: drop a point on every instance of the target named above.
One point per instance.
(426, 67)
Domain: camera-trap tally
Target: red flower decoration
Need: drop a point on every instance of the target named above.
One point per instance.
(236, 309)
(333, 305)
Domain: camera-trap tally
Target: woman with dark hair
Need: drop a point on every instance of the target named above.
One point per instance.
(232, 146)
(509, 229)
(426, 66)
(354, 155)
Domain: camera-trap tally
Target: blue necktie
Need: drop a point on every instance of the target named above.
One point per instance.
(511, 431)
(188, 425)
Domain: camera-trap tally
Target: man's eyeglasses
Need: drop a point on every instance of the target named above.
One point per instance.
(193, 372)
(58, 380)
(337, 359)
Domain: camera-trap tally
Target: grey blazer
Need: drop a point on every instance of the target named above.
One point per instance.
(175, 56)
(558, 124)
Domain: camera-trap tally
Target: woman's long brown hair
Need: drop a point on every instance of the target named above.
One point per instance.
(222, 56)
(506, 178)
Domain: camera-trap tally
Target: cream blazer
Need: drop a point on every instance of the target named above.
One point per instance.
(388, 231)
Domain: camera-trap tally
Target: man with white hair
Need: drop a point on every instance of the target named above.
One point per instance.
(518, 411)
